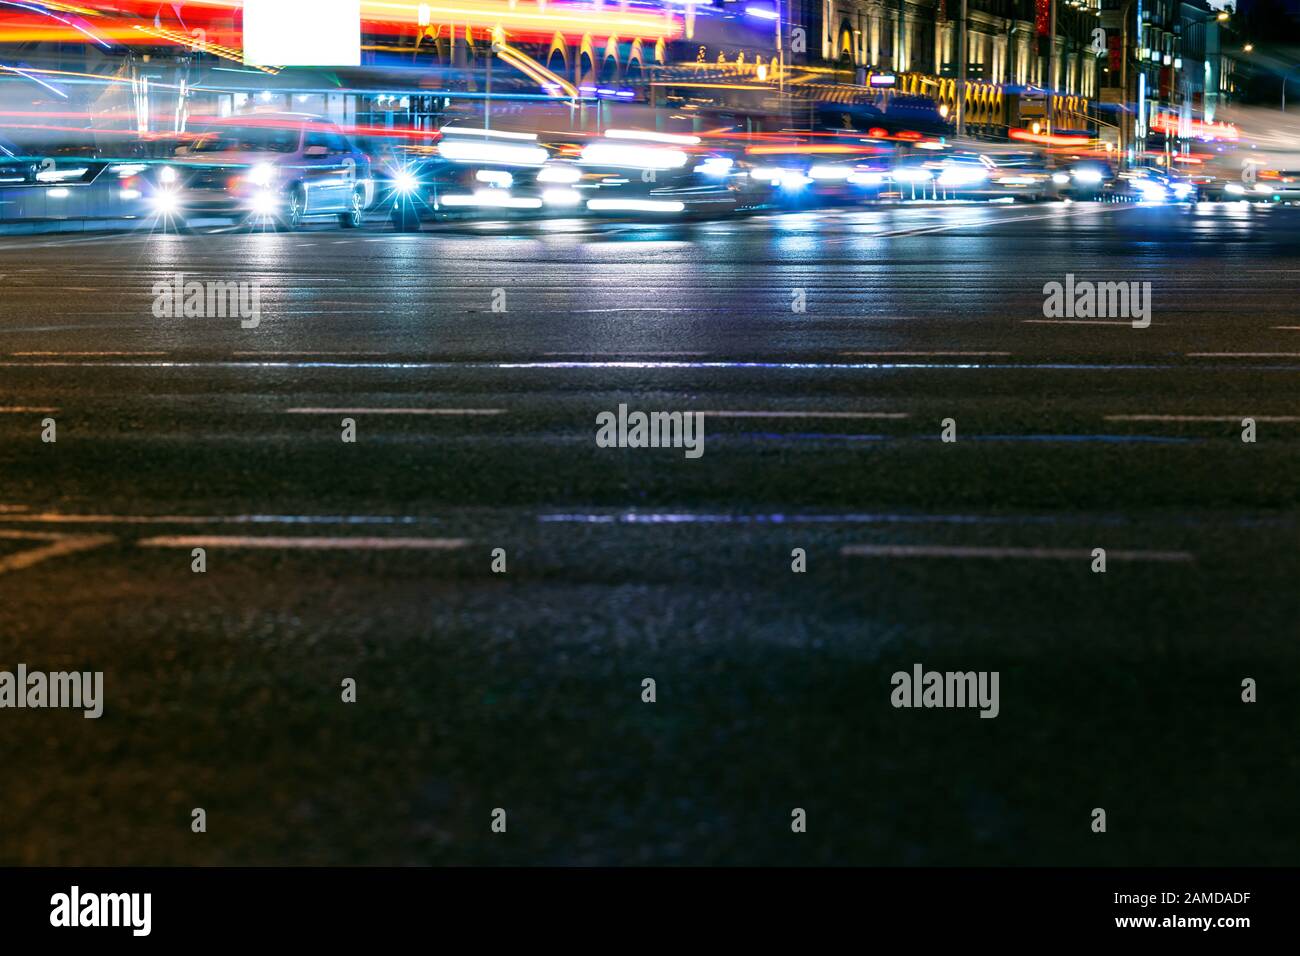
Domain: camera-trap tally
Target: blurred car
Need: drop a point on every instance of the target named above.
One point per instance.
(1021, 175)
(1263, 184)
(476, 172)
(1082, 180)
(644, 173)
(966, 176)
(63, 163)
(283, 168)
(16, 169)
(471, 172)
(828, 172)
(1147, 185)
(914, 176)
(1233, 173)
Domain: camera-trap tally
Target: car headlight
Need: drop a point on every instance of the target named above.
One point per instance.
(829, 172)
(559, 174)
(912, 174)
(867, 179)
(405, 183)
(715, 166)
(1087, 177)
(167, 175)
(264, 203)
(1235, 189)
(560, 196)
(1151, 191)
(262, 175)
(959, 176)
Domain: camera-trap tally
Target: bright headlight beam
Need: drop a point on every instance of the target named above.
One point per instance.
(492, 199)
(261, 174)
(634, 157)
(488, 133)
(264, 203)
(715, 166)
(559, 174)
(561, 197)
(475, 151)
(406, 183)
(652, 137)
(866, 179)
(962, 176)
(634, 205)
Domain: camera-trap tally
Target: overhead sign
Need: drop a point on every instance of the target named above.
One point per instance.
(302, 32)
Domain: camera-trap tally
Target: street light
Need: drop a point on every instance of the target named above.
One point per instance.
(1286, 75)
(961, 75)
(1249, 48)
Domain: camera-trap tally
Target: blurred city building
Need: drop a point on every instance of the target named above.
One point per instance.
(1142, 76)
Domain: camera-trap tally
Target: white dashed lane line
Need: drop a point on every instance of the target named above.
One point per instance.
(997, 554)
(305, 544)
(397, 411)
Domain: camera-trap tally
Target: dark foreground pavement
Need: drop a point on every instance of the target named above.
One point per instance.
(523, 690)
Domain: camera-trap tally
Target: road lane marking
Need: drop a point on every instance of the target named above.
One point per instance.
(395, 411)
(59, 519)
(306, 544)
(1031, 554)
(88, 354)
(310, 354)
(1288, 328)
(993, 221)
(623, 354)
(642, 365)
(25, 410)
(1243, 354)
(929, 354)
(803, 414)
(55, 549)
(1235, 419)
(1127, 324)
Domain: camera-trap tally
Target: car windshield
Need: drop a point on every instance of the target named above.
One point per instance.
(245, 139)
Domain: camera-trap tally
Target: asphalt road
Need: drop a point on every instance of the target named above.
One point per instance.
(523, 690)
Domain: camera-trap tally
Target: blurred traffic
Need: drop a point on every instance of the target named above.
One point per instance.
(169, 115)
(285, 171)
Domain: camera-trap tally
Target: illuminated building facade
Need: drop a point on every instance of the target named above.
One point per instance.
(839, 54)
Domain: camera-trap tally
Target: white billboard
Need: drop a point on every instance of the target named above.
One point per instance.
(302, 32)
